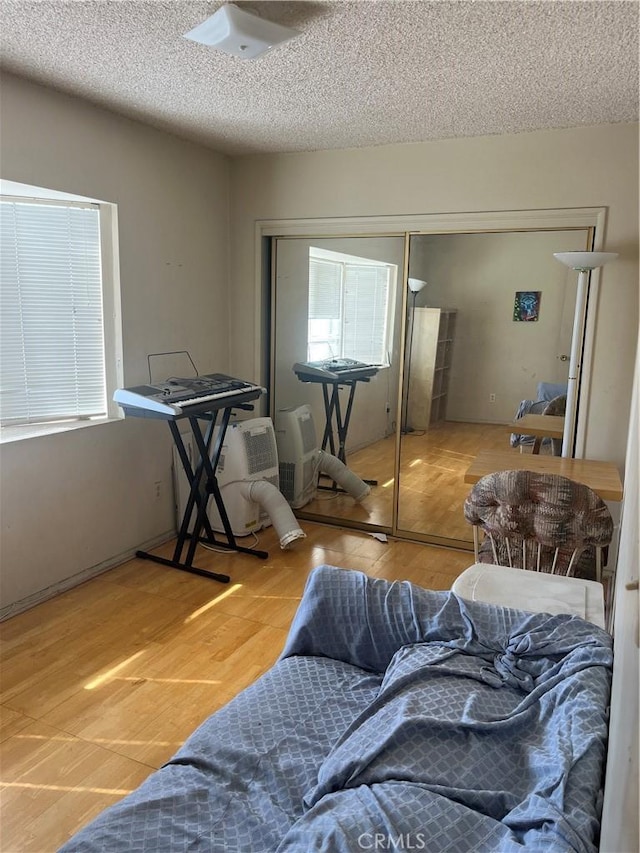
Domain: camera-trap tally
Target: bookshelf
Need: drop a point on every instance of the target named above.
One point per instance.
(431, 353)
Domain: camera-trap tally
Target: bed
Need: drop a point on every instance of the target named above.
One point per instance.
(394, 716)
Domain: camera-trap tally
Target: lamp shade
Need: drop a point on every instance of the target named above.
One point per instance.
(584, 260)
(416, 285)
(240, 33)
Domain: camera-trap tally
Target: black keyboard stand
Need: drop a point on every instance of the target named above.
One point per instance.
(203, 484)
(333, 412)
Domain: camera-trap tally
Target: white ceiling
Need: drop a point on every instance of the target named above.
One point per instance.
(362, 73)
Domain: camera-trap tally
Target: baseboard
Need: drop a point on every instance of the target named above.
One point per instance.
(86, 574)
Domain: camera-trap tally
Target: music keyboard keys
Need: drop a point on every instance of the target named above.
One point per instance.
(183, 397)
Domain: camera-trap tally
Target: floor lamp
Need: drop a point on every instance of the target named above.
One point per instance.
(415, 286)
(583, 263)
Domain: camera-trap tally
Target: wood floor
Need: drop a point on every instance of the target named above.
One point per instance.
(432, 491)
(101, 685)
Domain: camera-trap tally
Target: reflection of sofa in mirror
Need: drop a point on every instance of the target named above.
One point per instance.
(555, 408)
(547, 393)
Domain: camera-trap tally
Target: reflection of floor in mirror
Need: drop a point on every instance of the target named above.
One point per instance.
(432, 467)
(432, 490)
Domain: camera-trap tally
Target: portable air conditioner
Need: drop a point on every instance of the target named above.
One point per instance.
(297, 454)
(248, 453)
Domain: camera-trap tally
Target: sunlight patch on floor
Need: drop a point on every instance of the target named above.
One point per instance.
(213, 602)
(141, 679)
(116, 792)
(109, 674)
(99, 740)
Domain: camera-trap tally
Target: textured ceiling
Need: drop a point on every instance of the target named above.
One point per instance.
(361, 73)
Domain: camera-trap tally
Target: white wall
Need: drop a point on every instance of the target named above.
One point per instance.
(478, 275)
(583, 167)
(80, 499)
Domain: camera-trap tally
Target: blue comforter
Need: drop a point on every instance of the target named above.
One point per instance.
(395, 719)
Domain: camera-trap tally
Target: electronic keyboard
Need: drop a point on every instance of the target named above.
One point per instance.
(333, 370)
(183, 397)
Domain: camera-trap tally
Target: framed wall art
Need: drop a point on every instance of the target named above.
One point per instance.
(526, 306)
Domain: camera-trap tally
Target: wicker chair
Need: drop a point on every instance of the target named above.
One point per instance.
(557, 406)
(540, 522)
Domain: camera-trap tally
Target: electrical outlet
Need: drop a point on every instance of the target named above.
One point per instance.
(158, 485)
(492, 398)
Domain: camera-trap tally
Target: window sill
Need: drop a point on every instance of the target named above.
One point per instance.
(18, 433)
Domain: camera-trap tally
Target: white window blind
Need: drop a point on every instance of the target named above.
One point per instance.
(325, 290)
(366, 297)
(52, 362)
(348, 310)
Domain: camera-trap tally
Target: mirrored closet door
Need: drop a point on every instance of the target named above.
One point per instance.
(458, 328)
(336, 299)
(473, 356)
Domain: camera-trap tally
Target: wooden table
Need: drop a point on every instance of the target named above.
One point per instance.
(602, 477)
(544, 426)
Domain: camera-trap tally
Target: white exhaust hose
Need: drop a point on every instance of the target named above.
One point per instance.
(273, 503)
(340, 474)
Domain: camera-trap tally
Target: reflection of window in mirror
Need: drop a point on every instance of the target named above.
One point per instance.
(351, 303)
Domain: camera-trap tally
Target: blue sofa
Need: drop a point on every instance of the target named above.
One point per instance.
(395, 716)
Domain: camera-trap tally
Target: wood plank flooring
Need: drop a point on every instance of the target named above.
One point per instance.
(432, 467)
(432, 490)
(101, 684)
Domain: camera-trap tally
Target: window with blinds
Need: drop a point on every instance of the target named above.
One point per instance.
(52, 351)
(349, 310)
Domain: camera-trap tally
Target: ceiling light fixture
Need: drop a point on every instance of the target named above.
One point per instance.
(240, 33)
